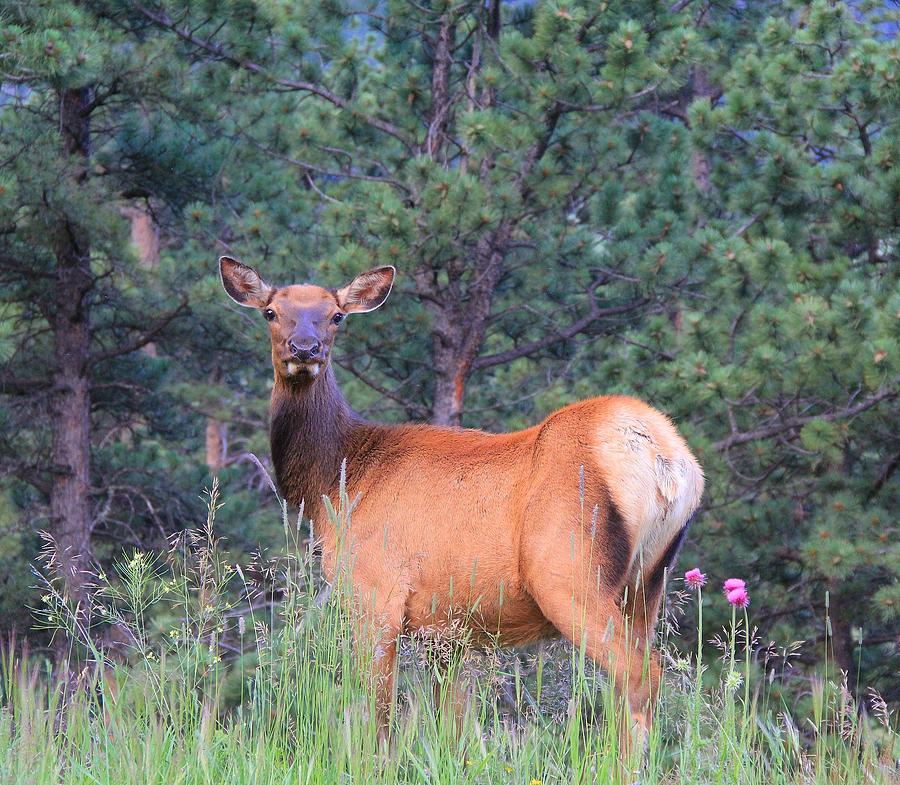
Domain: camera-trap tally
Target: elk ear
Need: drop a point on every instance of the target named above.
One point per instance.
(367, 291)
(243, 284)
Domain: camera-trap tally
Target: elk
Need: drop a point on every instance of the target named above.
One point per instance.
(563, 528)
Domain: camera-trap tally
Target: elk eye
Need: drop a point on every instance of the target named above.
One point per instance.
(269, 314)
(337, 318)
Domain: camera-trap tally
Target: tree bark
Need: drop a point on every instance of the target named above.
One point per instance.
(460, 324)
(451, 375)
(701, 167)
(215, 445)
(842, 637)
(145, 236)
(442, 101)
(70, 505)
(216, 435)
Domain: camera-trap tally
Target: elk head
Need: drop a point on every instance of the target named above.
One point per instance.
(303, 319)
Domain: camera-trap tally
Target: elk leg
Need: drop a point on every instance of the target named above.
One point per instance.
(644, 596)
(378, 626)
(642, 611)
(643, 599)
(599, 624)
(383, 671)
(450, 693)
(641, 616)
(642, 604)
(584, 610)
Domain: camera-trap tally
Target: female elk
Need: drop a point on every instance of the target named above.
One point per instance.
(560, 528)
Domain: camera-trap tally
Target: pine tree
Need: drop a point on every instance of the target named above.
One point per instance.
(86, 129)
(475, 152)
(785, 361)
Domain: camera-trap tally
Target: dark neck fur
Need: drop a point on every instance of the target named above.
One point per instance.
(310, 435)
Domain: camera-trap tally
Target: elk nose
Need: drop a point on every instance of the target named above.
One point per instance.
(304, 350)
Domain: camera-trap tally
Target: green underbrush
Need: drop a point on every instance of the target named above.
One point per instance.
(231, 675)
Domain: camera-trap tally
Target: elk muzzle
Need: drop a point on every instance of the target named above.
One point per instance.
(305, 350)
(307, 356)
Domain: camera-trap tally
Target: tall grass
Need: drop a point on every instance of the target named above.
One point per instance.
(221, 685)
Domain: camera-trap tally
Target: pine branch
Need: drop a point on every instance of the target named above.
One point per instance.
(162, 19)
(21, 269)
(308, 167)
(408, 405)
(144, 338)
(794, 423)
(576, 327)
(10, 385)
(32, 474)
(886, 473)
(534, 155)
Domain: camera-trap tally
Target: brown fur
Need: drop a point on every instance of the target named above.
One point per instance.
(493, 529)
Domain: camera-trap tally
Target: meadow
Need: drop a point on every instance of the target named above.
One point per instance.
(219, 679)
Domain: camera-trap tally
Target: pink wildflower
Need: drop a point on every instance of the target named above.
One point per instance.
(734, 583)
(738, 597)
(694, 578)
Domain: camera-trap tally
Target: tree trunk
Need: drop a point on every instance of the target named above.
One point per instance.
(701, 167)
(460, 323)
(70, 506)
(842, 637)
(451, 375)
(145, 236)
(216, 435)
(215, 445)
